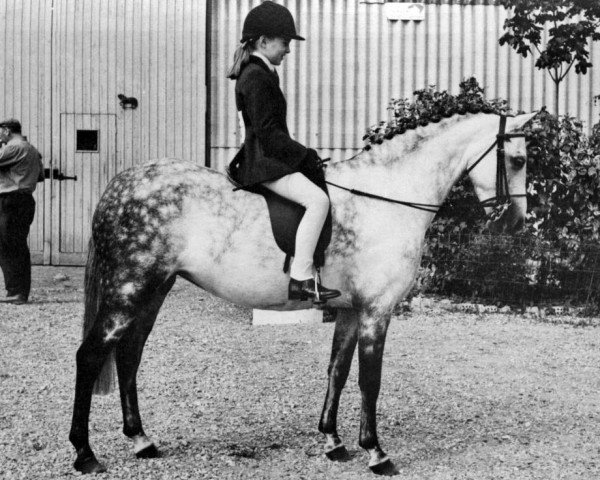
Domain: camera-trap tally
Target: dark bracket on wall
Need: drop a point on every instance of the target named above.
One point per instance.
(127, 102)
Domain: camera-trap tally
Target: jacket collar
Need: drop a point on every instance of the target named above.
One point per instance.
(260, 62)
(265, 61)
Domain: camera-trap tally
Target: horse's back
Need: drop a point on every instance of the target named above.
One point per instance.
(157, 190)
(134, 219)
(160, 181)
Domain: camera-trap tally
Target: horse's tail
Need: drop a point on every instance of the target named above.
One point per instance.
(105, 383)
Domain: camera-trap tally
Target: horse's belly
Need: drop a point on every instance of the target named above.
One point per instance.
(234, 256)
(245, 274)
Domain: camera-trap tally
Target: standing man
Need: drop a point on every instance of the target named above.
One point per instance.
(20, 170)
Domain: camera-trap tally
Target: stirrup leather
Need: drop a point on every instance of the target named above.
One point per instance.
(317, 299)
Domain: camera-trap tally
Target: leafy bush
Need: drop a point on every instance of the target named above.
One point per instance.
(564, 202)
(563, 177)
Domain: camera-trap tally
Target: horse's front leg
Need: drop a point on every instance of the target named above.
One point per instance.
(372, 331)
(342, 351)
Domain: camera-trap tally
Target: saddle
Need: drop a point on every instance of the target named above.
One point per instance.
(285, 215)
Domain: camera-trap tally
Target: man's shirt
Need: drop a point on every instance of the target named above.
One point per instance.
(20, 166)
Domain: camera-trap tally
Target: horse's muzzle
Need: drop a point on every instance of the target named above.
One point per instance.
(511, 221)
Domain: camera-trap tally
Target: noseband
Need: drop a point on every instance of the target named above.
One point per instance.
(503, 196)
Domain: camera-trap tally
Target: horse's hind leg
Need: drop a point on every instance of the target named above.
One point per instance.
(342, 351)
(91, 356)
(128, 357)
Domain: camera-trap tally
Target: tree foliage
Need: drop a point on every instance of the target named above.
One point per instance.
(571, 24)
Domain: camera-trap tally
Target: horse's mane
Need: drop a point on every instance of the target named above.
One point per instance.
(430, 106)
(420, 130)
(412, 140)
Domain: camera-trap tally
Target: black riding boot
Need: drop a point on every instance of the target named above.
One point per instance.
(305, 289)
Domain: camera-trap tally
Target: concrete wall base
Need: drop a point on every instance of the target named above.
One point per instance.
(273, 317)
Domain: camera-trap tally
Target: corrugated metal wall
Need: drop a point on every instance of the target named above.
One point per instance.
(154, 51)
(66, 57)
(25, 84)
(340, 80)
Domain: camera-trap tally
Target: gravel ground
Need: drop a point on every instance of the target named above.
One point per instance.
(463, 396)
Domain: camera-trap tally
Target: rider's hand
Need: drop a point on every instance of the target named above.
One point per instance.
(312, 163)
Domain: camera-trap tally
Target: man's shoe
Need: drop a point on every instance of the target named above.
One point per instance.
(305, 289)
(18, 299)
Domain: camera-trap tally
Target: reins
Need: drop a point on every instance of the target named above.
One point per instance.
(503, 195)
(419, 206)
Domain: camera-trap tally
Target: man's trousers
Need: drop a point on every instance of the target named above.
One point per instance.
(16, 215)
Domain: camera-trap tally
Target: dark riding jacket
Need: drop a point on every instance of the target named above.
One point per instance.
(268, 152)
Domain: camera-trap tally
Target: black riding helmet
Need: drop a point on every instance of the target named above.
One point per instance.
(269, 19)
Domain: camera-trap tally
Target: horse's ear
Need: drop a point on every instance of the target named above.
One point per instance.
(516, 123)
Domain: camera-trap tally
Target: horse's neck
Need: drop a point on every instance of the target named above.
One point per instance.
(420, 166)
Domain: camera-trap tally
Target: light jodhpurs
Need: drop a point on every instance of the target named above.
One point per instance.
(299, 189)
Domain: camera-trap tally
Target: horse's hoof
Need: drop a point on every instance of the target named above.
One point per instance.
(386, 468)
(149, 452)
(89, 465)
(338, 454)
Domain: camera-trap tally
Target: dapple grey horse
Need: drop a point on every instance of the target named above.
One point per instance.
(168, 218)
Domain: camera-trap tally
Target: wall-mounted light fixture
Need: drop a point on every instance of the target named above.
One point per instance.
(127, 102)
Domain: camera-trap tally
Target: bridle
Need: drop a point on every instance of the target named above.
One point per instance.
(502, 193)
(503, 196)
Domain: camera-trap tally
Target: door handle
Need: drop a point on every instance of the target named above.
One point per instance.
(57, 175)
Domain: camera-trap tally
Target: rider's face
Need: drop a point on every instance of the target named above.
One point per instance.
(274, 48)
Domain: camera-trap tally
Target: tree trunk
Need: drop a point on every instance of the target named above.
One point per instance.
(556, 97)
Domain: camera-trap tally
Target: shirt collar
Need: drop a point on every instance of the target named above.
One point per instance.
(264, 59)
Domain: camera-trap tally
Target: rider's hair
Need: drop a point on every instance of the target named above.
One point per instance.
(241, 57)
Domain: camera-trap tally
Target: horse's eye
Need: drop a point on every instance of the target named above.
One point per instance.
(517, 162)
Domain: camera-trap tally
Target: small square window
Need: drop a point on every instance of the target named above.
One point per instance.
(87, 140)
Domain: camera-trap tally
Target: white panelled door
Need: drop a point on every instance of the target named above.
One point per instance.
(86, 165)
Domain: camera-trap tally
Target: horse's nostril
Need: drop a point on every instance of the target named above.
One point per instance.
(518, 162)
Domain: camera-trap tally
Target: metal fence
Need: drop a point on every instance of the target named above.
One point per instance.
(511, 269)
